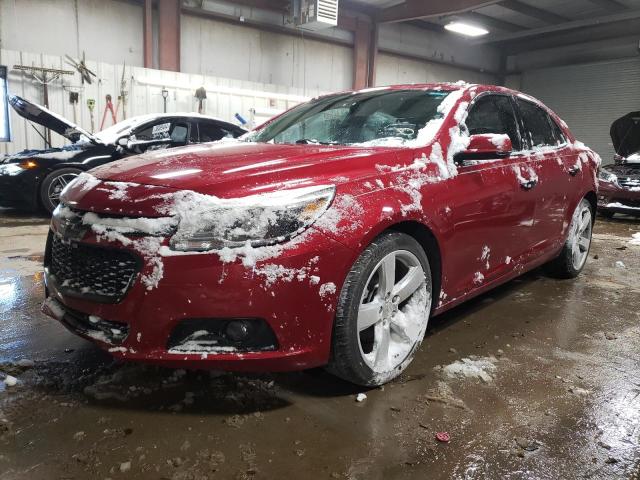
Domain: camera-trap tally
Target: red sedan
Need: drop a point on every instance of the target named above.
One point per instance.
(327, 237)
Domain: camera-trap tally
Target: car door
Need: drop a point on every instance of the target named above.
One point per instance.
(489, 212)
(551, 158)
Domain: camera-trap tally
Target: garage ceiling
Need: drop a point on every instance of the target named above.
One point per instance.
(519, 25)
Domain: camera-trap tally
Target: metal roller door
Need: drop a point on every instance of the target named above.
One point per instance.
(589, 97)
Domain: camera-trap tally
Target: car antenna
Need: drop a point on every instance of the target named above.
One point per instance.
(44, 76)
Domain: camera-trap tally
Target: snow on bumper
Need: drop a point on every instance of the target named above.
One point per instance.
(294, 293)
(614, 198)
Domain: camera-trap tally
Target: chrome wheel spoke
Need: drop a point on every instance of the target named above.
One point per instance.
(584, 243)
(408, 284)
(369, 314)
(400, 331)
(381, 346)
(387, 274)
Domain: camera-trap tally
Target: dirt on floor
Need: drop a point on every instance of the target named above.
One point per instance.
(538, 379)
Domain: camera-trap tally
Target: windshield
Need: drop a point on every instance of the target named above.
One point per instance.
(373, 117)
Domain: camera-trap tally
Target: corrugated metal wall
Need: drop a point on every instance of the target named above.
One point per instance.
(589, 97)
(225, 97)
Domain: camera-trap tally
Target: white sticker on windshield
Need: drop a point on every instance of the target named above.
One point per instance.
(161, 129)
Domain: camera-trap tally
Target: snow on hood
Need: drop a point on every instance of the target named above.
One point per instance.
(235, 169)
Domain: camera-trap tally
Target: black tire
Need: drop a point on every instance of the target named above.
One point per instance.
(606, 213)
(564, 265)
(53, 184)
(347, 360)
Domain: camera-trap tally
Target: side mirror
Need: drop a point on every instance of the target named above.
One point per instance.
(122, 141)
(486, 146)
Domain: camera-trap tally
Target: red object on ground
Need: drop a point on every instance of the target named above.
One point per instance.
(520, 204)
(443, 437)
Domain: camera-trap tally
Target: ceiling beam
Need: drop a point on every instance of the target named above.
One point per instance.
(610, 5)
(591, 22)
(534, 12)
(491, 23)
(416, 9)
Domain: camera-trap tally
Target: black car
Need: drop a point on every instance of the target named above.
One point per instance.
(34, 178)
(619, 190)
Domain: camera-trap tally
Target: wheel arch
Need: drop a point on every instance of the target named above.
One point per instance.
(426, 238)
(593, 200)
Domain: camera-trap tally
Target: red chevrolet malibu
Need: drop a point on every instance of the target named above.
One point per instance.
(327, 237)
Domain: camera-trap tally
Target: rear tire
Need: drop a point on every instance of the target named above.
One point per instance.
(382, 312)
(53, 184)
(575, 251)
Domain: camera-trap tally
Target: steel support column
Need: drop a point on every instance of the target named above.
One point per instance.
(169, 35)
(148, 33)
(365, 46)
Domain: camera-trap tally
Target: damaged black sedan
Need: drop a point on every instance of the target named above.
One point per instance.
(33, 179)
(619, 184)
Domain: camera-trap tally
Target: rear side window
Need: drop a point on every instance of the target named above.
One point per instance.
(210, 132)
(538, 126)
(494, 114)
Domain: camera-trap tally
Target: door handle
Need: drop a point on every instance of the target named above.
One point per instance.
(529, 184)
(573, 171)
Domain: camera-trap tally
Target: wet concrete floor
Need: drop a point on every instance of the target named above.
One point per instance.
(539, 379)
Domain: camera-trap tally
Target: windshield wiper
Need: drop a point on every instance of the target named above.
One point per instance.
(310, 141)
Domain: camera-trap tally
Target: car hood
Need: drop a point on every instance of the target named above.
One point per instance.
(229, 169)
(625, 134)
(42, 116)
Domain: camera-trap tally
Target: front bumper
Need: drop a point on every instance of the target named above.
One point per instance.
(294, 294)
(20, 190)
(613, 198)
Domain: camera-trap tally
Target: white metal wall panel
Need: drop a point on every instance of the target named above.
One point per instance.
(588, 97)
(393, 69)
(225, 97)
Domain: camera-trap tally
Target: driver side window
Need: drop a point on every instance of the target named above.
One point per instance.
(494, 114)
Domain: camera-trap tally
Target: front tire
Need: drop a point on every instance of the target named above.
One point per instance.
(382, 312)
(53, 184)
(575, 251)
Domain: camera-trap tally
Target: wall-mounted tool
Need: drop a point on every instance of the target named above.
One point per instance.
(201, 95)
(91, 104)
(108, 108)
(165, 95)
(44, 76)
(122, 98)
(73, 100)
(82, 69)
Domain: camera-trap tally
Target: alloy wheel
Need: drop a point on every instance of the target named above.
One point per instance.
(393, 312)
(57, 185)
(581, 236)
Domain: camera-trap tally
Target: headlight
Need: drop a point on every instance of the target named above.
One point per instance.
(607, 176)
(259, 220)
(12, 169)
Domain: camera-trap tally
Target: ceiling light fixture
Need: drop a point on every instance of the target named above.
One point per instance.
(466, 29)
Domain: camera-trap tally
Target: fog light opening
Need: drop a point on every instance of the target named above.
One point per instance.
(238, 330)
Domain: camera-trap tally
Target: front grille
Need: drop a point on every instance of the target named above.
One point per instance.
(93, 273)
(629, 183)
(97, 328)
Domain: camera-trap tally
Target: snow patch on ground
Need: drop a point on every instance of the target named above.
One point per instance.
(482, 368)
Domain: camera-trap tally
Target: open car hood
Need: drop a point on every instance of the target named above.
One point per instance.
(42, 116)
(625, 134)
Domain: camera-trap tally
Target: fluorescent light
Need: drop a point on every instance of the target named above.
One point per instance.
(466, 29)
